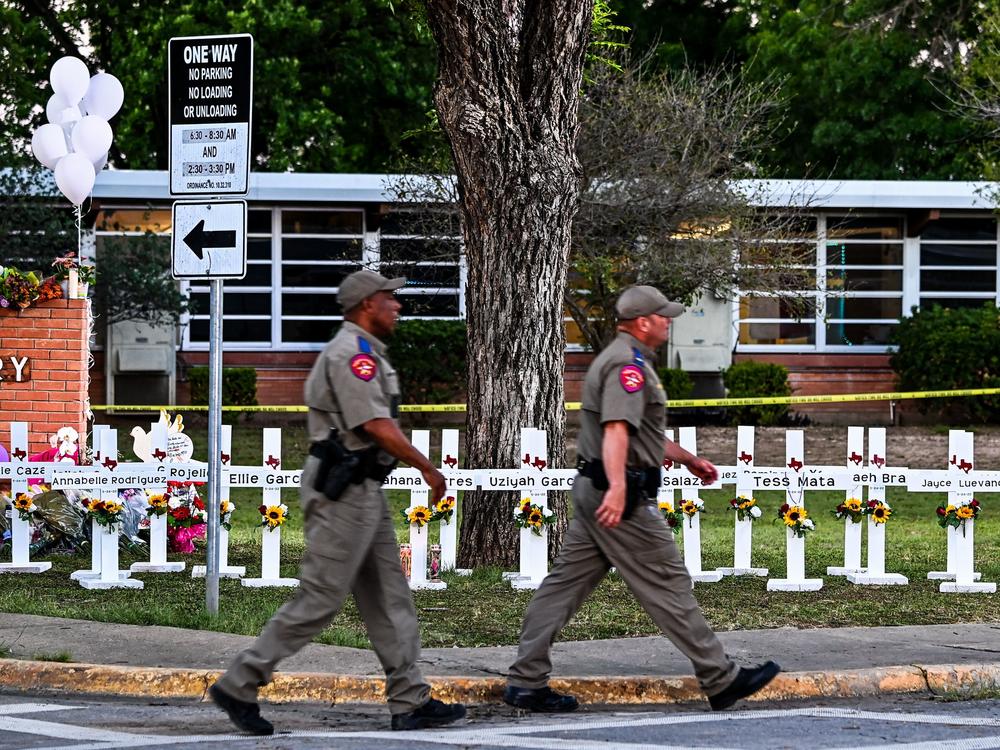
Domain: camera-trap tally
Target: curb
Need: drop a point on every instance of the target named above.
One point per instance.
(312, 687)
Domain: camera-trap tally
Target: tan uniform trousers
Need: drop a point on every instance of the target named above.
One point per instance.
(350, 548)
(646, 557)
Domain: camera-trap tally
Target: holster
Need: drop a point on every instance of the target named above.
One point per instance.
(340, 467)
(640, 484)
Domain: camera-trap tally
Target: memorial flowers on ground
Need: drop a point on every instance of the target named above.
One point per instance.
(796, 518)
(186, 516)
(851, 508)
(528, 515)
(746, 508)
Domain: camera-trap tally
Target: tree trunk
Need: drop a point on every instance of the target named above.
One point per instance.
(510, 73)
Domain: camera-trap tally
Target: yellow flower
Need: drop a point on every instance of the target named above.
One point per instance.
(275, 516)
(965, 511)
(445, 504)
(689, 508)
(746, 504)
(950, 509)
(158, 501)
(666, 505)
(535, 518)
(853, 505)
(225, 507)
(22, 501)
(880, 513)
(419, 516)
(795, 515)
(111, 507)
(525, 504)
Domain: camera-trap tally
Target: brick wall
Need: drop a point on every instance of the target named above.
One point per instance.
(53, 335)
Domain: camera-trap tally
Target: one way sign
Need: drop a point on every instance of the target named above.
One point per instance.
(209, 240)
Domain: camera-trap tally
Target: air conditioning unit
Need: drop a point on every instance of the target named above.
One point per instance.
(141, 364)
(701, 337)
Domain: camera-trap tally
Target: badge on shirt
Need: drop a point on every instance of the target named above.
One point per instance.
(363, 366)
(631, 378)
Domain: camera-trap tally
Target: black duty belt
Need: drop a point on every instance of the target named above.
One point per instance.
(645, 479)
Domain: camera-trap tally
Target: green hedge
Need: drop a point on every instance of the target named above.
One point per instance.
(677, 383)
(239, 385)
(746, 379)
(430, 357)
(944, 349)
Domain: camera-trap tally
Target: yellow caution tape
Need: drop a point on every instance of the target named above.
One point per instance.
(575, 405)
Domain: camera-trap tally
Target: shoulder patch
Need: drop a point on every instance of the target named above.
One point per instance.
(363, 366)
(631, 378)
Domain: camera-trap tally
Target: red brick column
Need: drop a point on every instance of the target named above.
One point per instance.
(53, 335)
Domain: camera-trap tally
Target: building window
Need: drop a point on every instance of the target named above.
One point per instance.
(863, 280)
(247, 307)
(958, 262)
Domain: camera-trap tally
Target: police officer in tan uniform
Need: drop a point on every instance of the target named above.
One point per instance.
(350, 540)
(616, 521)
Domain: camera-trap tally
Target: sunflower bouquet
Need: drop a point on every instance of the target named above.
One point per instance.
(746, 508)
(157, 504)
(670, 515)
(527, 515)
(25, 506)
(691, 508)
(956, 515)
(878, 511)
(272, 516)
(444, 509)
(796, 518)
(418, 515)
(851, 508)
(107, 513)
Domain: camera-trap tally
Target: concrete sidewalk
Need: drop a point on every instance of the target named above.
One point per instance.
(172, 662)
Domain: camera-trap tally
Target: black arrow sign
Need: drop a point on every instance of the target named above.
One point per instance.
(198, 239)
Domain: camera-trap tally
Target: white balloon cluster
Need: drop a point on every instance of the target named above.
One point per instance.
(76, 140)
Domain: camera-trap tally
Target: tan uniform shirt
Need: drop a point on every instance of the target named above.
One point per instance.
(622, 386)
(351, 383)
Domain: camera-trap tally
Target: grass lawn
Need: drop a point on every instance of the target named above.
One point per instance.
(483, 610)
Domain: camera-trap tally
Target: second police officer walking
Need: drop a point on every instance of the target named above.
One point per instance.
(353, 396)
(616, 522)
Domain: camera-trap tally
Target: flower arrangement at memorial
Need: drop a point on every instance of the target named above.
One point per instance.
(418, 515)
(19, 290)
(226, 509)
(186, 516)
(878, 511)
(670, 515)
(25, 506)
(444, 509)
(527, 515)
(107, 513)
(69, 262)
(273, 516)
(851, 508)
(746, 508)
(691, 508)
(796, 518)
(956, 515)
(157, 504)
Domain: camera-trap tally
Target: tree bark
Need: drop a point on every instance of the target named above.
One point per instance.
(510, 73)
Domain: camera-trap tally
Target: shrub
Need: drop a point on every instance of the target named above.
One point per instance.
(748, 379)
(676, 382)
(944, 349)
(239, 385)
(430, 357)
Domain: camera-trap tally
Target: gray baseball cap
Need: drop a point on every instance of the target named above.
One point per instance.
(640, 301)
(360, 285)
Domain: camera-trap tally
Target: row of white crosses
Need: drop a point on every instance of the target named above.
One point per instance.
(535, 479)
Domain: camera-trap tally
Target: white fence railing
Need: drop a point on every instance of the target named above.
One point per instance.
(861, 476)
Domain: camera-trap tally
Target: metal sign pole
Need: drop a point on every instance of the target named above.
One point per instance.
(214, 438)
